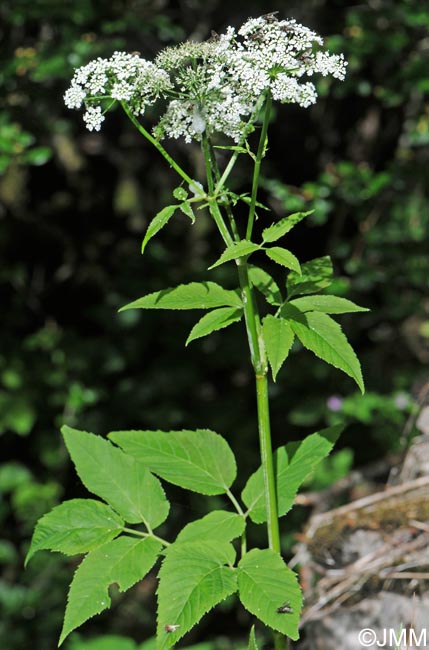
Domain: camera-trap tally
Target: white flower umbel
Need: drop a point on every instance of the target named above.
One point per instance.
(273, 55)
(123, 77)
(210, 87)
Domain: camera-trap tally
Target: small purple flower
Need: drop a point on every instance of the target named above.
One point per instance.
(334, 403)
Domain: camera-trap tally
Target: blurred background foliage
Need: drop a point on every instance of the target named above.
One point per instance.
(73, 208)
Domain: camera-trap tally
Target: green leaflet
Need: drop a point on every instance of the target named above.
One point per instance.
(325, 304)
(278, 339)
(322, 335)
(284, 257)
(158, 222)
(213, 321)
(195, 295)
(201, 461)
(119, 479)
(252, 640)
(192, 580)
(186, 208)
(265, 583)
(264, 283)
(75, 526)
(315, 275)
(124, 561)
(180, 193)
(242, 248)
(293, 464)
(279, 229)
(218, 525)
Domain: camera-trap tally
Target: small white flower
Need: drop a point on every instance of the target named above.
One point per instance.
(93, 118)
(74, 96)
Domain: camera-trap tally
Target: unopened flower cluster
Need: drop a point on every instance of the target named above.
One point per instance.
(209, 87)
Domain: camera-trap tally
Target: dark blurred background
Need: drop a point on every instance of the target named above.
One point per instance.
(73, 209)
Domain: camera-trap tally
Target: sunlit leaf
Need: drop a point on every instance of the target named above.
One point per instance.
(123, 561)
(192, 580)
(126, 484)
(218, 525)
(293, 463)
(265, 583)
(278, 339)
(213, 321)
(242, 248)
(200, 460)
(196, 295)
(75, 526)
(279, 229)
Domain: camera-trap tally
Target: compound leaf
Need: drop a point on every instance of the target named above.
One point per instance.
(265, 584)
(192, 580)
(75, 526)
(126, 485)
(195, 295)
(124, 561)
(201, 461)
(219, 526)
(293, 463)
(213, 321)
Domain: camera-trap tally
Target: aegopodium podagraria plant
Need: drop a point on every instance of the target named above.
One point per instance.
(222, 87)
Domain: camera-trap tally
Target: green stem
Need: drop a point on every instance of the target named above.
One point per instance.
(157, 145)
(139, 533)
(213, 205)
(257, 166)
(234, 502)
(231, 163)
(267, 461)
(259, 362)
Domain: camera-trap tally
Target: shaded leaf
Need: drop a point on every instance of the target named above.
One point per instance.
(192, 580)
(278, 339)
(279, 229)
(293, 463)
(219, 526)
(119, 479)
(264, 283)
(242, 248)
(158, 222)
(123, 561)
(315, 275)
(75, 526)
(284, 257)
(196, 295)
(201, 461)
(265, 583)
(319, 333)
(213, 321)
